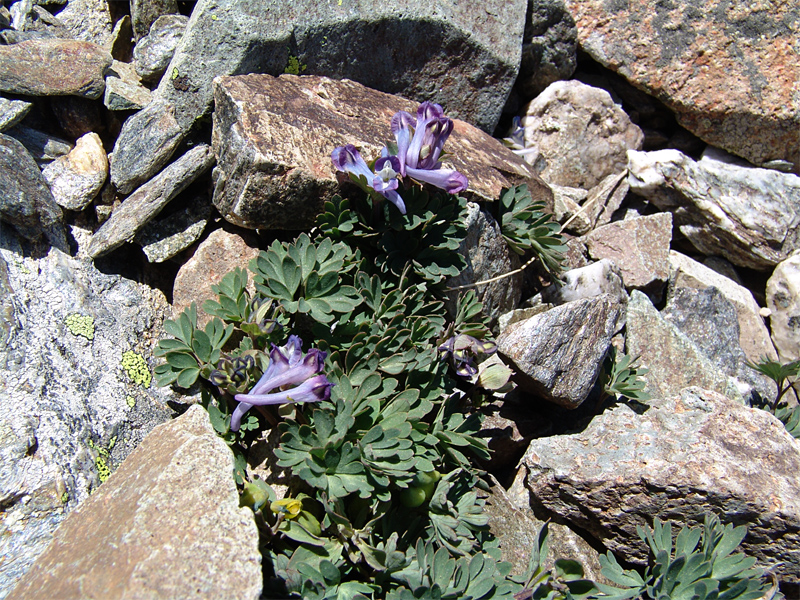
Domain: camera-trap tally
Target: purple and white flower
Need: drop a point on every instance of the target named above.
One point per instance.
(290, 377)
(384, 180)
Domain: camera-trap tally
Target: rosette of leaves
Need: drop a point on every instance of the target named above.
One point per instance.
(526, 227)
(620, 377)
(700, 565)
(193, 352)
(457, 520)
(306, 278)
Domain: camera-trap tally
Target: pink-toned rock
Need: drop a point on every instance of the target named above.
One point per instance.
(215, 257)
(728, 69)
(273, 137)
(639, 247)
(166, 524)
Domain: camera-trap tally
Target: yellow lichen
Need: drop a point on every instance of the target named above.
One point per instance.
(136, 368)
(80, 325)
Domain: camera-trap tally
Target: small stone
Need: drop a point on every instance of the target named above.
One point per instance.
(42, 146)
(77, 116)
(639, 247)
(129, 538)
(54, 67)
(558, 354)
(147, 201)
(122, 40)
(783, 300)
(154, 51)
(88, 20)
(161, 240)
(75, 179)
(121, 95)
(567, 203)
(12, 112)
(579, 135)
(145, 12)
(596, 279)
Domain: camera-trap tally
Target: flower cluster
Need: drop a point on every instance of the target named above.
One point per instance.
(419, 149)
(297, 378)
(462, 349)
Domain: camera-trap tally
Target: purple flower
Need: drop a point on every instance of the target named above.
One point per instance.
(287, 367)
(384, 180)
(419, 155)
(461, 350)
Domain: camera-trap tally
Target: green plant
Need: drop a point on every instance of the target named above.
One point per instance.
(784, 376)
(621, 378)
(700, 565)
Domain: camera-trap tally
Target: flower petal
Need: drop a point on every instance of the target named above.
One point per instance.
(401, 129)
(393, 197)
(348, 159)
(238, 412)
(312, 390)
(449, 180)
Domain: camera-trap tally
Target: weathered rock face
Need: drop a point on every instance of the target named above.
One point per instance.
(88, 20)
(54, 67)
(43, 147)
(75, 179)
(220, 253)
(167, 524)
(487, 256)
(465, 57)
(148, 200)
(673, 360)
(749, 216)
(25, 200)
(783, 299)
(145, 12)
(753, 333)
(725, 69)
(687, 455)
(639, 247)
(153, 52)
(12, 112)
(72, 404)
(595, 279)
(579, 134)
(273, 138)
(558, 354)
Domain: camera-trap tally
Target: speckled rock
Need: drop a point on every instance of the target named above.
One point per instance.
(220, 253)
(54, 67)
(747, 215)
(673, 360)
(25, 199)
(726, 69)
(639, 247)
(164, 238)
(463, 56)
(487, 256)
(145, 12)
(77, 116)
(88, 20)
(12, 112)
(167, 524)
(121, 95)
(689, 454)
(557, 354)
(579, 135)
(153, 52)
(146, 202)
(273, 137)
(43, 147)
(75, 179)
(753, 333)
(69, 411)
(595, 279)
(783, 300)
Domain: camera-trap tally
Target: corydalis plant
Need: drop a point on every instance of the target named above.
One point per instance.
(419, 148)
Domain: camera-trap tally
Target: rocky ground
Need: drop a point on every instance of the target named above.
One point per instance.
(148, 147)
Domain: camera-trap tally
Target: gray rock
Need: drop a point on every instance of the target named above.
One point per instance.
(65, 392)
(221, 252)
(130, 539)
(747, 215)
(753, 333)
(12, 112)
(145, 12)
(88, 20)
(558, 354)
(121, 45)
(161, 240)
(567, 208)
(54, 67)
(716, 65)
(783, 300)
(579, 135)
(595, 279)
(464, 59)
(121, 95)
(708, 319)
(153, 52)
(639, 247)
(75, 179)
(673, 360)
(42, 146)
(146, 202)
(487, 256)
(690, 454)
(273, 137)
(25, 200)
(549, 47)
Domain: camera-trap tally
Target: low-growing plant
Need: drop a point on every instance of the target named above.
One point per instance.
(785, 377)
(621, 378)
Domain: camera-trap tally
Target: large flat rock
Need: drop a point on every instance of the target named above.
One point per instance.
(167, 524)
(273, 138)
(728, 69)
